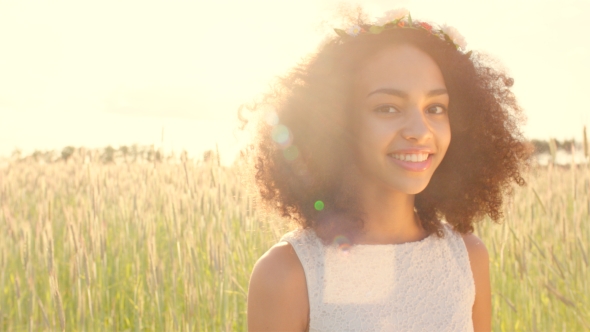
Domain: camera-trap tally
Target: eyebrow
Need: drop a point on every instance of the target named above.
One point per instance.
(401, 94)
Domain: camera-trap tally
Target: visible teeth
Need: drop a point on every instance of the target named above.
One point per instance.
(414, 157)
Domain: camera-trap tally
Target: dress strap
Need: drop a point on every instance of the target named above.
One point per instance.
(312, 254)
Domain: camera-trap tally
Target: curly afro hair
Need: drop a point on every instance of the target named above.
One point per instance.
(303, 162)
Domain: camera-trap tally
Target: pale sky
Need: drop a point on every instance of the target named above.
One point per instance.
(94, 73)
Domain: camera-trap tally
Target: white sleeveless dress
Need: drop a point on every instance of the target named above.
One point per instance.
(425, 285)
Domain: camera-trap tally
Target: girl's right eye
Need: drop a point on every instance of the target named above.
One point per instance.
(386, 109)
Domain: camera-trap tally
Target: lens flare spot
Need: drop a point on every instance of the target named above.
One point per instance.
(291, 153)
(342, 242)
(319, 205)
(280, 134)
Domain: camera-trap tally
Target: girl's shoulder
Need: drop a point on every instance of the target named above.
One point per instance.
(479, 260)
(277, 278)
(479, 257)
(476, 249)
(474, 245)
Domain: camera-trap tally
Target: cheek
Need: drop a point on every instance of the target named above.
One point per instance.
(369, 140)
(374, 135)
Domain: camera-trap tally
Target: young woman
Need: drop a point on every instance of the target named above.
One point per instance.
(385, 147)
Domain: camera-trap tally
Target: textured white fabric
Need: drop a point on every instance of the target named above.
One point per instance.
(425, 285)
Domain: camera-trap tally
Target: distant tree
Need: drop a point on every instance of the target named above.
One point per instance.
(49, 156)
(82, 151)
(67, 152)
(108, 155)
(134, 152)
(566, 145)
(37, 155)
(124, 151)
(540, 146)
(553, 145)
(150, 153)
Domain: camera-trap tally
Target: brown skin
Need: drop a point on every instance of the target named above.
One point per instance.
(277, 295)
(278, 301)
(413, 121)
(414, 117)
(480, 267)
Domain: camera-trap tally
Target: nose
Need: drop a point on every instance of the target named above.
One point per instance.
(416, 127)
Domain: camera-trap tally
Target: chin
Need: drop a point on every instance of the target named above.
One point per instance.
(412, 188)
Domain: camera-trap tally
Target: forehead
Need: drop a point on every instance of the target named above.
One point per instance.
(403, 67)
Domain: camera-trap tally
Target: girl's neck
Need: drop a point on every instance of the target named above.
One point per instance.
(389, 218)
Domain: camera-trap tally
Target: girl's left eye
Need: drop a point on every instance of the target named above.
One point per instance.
(436, 109)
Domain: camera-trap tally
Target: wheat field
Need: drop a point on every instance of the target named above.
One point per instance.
(170, 246)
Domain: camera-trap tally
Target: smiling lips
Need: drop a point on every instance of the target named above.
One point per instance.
(416, 162)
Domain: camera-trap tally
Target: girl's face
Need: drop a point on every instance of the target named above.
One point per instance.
(401, 120)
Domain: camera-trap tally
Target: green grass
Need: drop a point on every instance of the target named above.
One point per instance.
(540, 254)
(151, 247)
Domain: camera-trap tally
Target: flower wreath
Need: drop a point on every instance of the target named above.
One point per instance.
(401, 18)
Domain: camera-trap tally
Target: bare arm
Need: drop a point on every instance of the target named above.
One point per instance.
(277, 295)
(480, 266)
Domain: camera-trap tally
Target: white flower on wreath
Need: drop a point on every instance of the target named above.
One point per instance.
(393, 15)
(353, 30)
(455, 36)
